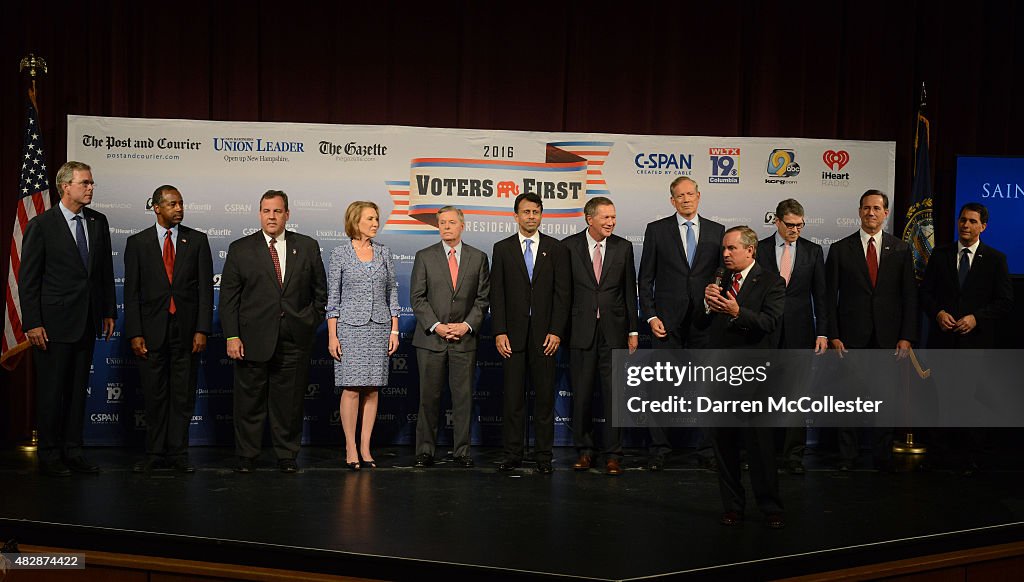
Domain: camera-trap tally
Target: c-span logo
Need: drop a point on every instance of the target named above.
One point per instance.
(725, 165)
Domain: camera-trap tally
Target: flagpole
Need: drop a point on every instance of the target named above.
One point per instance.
(909, 446)
(34, 66)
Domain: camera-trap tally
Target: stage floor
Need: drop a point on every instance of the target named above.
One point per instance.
(397, 522)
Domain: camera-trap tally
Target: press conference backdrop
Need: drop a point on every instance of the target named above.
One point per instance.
(222, 168)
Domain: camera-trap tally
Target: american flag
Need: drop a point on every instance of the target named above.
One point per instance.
(34, 199)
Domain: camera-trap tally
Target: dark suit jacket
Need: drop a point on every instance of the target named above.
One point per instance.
(762, 301)
(252, 304)
(805, 316)
(514, 295)
(667, 284)
(433, 299)
(147, 292)
(987, 294)
(56, 289)
(615, 295)
(855, 310)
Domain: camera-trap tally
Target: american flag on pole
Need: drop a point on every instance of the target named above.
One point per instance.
(34, 199)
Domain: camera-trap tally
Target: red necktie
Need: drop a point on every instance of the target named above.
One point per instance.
(277, 262)
(169, 264)
(872, 262)
(453, 267)
(736, 285)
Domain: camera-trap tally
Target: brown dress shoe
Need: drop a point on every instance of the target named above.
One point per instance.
(613, 467)
(583, 463)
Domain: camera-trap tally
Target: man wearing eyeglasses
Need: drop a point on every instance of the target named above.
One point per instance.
(66, 286)
(801, 264)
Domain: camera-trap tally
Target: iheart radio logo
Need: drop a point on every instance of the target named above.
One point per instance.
(835, 160)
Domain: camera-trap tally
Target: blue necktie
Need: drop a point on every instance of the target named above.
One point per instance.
(83, 245)
(691, 243)
(965, 267)
(528, 256)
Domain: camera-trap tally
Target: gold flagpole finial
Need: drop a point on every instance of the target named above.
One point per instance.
(35, 66)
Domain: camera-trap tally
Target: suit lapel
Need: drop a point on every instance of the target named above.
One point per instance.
(677, 234)
(442, 266)
(182, 249)
(292, 261)
(748, 284)
(582, 249)
(517, 247)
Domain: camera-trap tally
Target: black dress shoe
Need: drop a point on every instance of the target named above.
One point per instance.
(423, 461)
(54, 468)
(731, 518)
(656, 463)
(182, 465)
(148, 465)
(795, 468)
(287, 466)
(80, 465)
(506, 466)
(544, 468)
(244, 465)
(464, 461)
(775, 521)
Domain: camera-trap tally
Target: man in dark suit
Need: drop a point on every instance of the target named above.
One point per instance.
(680, 255)
(872, 303)
(530, 294)
(273, 293)
(966, 287)
(801, 264)
(746, 315)
(168, 308)
(448, 291)
(604, 318)
(67, 300)
(965, 292)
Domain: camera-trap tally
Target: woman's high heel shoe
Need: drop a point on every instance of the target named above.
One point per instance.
(354, 466)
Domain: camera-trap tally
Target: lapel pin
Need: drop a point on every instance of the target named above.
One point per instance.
(295, 252)
(183, 240)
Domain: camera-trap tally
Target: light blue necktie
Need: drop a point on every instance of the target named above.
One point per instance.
(528, 256)
(691, 243)
(80, 240)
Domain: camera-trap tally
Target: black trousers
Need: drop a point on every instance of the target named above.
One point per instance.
(591, 368)
(540, 369)
(62, 383)
(168, 376)
(764, 477)
(274, 388)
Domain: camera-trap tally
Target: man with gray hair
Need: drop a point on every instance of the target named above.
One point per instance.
(448, 290)
(604, 318)
(745, 315)
(67, 300)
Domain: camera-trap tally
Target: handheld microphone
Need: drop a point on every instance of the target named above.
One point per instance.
(719, 276)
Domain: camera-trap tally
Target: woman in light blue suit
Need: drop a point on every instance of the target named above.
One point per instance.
(362, 325)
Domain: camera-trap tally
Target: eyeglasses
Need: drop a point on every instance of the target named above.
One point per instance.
(85, 183)
(793, 225)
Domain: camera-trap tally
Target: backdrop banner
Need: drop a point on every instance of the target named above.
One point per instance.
(222, 169)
